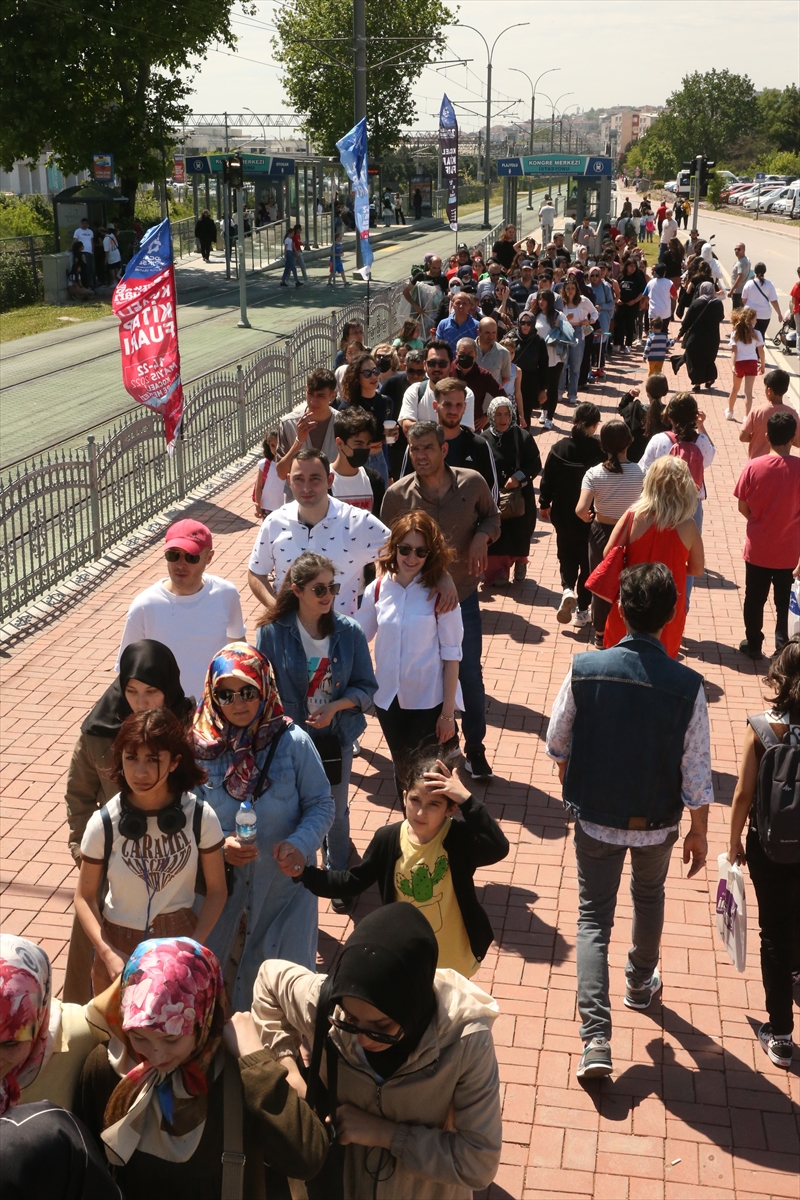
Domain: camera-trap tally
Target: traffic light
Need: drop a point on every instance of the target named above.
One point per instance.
(233, 172)
(706, 167)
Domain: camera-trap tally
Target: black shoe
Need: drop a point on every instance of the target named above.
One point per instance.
(282, 284)
(344, 907)
(753, 652)
(475, 764)
(298, 285)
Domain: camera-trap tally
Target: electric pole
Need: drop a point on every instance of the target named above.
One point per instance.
(359, 80)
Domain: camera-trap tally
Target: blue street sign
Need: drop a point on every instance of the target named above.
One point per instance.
(584, 165)
(760, 176)
(280, 166)
(509, 166)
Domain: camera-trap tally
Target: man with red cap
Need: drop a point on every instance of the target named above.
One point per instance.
(193, 613)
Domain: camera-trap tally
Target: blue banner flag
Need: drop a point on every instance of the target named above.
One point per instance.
(448, 148)
(353, 154)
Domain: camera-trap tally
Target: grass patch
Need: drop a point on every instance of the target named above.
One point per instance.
(41, 318)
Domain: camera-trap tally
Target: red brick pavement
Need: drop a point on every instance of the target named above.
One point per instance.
(694, 1108)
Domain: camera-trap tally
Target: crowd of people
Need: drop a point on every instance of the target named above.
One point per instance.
(208, 793)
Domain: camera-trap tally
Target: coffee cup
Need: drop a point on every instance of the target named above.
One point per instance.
(391, 431)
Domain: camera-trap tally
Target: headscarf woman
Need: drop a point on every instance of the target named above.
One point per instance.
(433, 1131)
(43, 1043)
(155, 1097)
(238, 726)
(699, 333)
(149, 677)
(518, 463)
(531, 361)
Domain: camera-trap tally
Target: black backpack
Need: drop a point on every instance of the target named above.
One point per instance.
(777, 802)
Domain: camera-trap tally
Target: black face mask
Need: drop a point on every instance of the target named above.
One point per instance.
(465, 361)
(385, 364)
(358, 456)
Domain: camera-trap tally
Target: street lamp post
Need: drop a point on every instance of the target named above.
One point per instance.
(534, 86)
(487, 154)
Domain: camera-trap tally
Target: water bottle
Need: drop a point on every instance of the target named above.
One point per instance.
(246, 824)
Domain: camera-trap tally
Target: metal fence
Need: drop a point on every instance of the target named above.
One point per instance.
(65, 510)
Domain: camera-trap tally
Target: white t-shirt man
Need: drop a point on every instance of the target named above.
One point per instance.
(350, 537)
(354, 489)
(418, 404)
(194, 627)
(669, 230)
(159, 867)
(86, 239)
(547, 215)
(659, 299)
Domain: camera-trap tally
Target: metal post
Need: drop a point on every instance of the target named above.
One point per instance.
(306, 241)
(315, 195)
(180, 463)
(698, 175)
(530, 148)
(359, 81)
(243, 322)
(94, 498)
(226, 227)
(208, 193)
(242, 409)
(487, 154)
(195, 197)
(333, 228)
(32, 249)
(218, 200)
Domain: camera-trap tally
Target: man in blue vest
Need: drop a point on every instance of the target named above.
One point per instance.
(629, 731)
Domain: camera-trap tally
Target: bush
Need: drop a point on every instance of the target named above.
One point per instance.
(23, 215)
(17, 287)
(715, 187)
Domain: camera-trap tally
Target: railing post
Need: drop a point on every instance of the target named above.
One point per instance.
(94, 498)
(32, 245)
(334, 339)
(242, 409)
(180, 463)
(288, 370)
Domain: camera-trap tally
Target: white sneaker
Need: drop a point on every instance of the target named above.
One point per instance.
(729, 415)
(581, 618)
(569, 602)
(548, 424)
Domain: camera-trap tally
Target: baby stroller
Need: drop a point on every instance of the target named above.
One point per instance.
(786, 337)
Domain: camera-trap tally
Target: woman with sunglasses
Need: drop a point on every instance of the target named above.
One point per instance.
(417, 651)
(251, 751)
(360, 388)
(325, 679)
(416, 1094)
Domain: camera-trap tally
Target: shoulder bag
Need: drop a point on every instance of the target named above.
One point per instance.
(511, 501)
(604, 579)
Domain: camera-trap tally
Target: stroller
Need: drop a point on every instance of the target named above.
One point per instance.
(786, 337)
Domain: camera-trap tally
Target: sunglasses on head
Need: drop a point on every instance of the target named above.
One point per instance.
(177, 555)
(385, 1039)
(369, 372)
(406, 551)
(224, 696)
(320, 589)
(443, 363)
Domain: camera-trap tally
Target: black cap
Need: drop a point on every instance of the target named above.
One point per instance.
(526, 262)
(462, 246)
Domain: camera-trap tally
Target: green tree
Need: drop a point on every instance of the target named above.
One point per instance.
(780, 116)
(311, 33)
(101, 76)
(707, 114)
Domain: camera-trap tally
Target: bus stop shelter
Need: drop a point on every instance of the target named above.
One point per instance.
(588, 183)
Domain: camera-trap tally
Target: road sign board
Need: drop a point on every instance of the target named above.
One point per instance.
(586, 165)
(252, 164)
(760, 176)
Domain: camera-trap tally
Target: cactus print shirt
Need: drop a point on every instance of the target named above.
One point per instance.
(422, 877)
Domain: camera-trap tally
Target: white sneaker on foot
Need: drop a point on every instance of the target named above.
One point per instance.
(581, 618)
(569, 602)
(729, 415)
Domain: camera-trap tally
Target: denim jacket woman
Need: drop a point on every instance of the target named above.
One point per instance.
(266, 915)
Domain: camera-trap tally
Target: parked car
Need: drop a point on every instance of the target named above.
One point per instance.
(760, 189)
(671, 186)
(788, 205)
(762, 201)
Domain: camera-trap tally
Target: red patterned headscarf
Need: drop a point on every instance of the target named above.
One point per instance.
(213, 735)
(24, 1010)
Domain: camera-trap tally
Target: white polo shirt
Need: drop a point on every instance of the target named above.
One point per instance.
(350, 537)
(420, 408)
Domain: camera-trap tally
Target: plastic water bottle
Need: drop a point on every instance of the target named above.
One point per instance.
(246, 824)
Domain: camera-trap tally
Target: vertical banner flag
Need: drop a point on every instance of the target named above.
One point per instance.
(448, 148)
(353, 154)
(145, 302)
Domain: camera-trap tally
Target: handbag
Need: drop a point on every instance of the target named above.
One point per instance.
(604, 579)
(732, 911)
(511, 501)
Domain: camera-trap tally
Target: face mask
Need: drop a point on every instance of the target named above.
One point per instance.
(465, 361)
(384, 363)
(358, 457)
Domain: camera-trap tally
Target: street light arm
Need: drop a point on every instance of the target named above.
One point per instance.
(549, 71)
(517, 25)
(480, 35)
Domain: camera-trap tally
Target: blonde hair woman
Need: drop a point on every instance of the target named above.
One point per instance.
(660, 527)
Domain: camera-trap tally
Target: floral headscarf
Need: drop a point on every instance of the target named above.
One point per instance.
(25, 981)
(501, 402)
(213, 735)
(175, 986)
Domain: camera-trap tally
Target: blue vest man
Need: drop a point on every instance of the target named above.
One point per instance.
(629, 731)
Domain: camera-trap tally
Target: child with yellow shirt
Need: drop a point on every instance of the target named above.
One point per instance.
(429, 860)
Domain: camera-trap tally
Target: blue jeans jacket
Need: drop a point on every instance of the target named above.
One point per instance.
(352, 676)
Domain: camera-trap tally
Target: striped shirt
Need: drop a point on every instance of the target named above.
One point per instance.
(656, 346)
(614, 494)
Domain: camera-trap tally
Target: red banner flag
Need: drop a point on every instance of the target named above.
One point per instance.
(146, 304)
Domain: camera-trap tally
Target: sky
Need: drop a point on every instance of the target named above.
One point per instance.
(614, 53)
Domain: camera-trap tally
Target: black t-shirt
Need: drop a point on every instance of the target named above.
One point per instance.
(631, 286)
(504, 252)
(393, 389)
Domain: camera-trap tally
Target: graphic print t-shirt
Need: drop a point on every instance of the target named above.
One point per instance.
(353, 489)
(159, 866)
(422, 877)
(317, 652)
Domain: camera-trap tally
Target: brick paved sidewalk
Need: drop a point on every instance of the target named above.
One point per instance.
(694, 1108)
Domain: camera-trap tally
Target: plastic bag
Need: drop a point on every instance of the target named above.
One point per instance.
(732, 911)
(794, 609)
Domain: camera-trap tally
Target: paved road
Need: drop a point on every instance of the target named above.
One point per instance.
(57, 385)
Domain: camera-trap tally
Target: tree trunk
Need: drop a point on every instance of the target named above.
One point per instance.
(130, 183)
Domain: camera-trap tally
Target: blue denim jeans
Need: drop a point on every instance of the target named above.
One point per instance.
(471, 675)
(698, 520)
(572, 371)
(290, 268)
(377, 462)
(337, 839)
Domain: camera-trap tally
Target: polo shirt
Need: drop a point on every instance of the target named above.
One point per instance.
(350, 537)
(497, 361)
(466, 508)
(416, 407)
(452, 332)
(770, 486)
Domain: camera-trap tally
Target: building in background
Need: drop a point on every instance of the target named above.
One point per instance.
(620, 127)
(37, 178)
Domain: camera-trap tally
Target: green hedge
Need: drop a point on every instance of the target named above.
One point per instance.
(17, 287)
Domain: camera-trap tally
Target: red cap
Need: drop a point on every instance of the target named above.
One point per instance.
(191, 536)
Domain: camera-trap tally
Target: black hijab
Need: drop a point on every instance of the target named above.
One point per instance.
(47, 1153)
(151, 663)
(389, 961)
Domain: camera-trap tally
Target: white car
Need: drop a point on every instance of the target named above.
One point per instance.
(789, 205)
(671, 186)
(762, 202)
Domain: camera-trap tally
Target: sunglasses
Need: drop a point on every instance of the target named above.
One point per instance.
(320, 589)
(177, 555)
(385, 1039)
(369, 372)
(441, 363)
(525, 324)
(415, 372)
(407, 551)
(224, 696)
